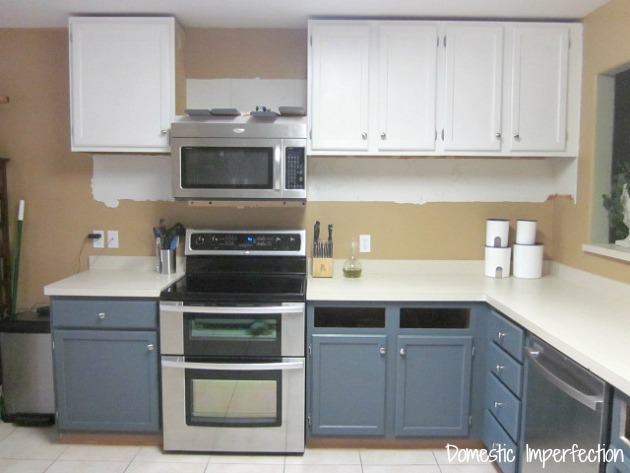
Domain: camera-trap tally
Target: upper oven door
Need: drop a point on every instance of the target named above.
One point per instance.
(232, 331)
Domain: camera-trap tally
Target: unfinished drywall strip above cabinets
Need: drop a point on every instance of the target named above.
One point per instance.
(139, 178)
(245, 94)
(419, 181)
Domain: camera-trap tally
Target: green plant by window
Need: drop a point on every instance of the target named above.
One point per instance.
(612, 203)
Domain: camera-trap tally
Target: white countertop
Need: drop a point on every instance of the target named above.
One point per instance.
(585, 316)
(116, 276)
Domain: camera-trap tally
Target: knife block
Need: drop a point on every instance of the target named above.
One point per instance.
(323, 267)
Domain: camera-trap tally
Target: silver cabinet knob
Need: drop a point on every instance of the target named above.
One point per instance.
(501, 335)
(150, 347)
(499, 369)
(497, 405)
(517, 136)
(498, 134)
(164, 132)
(403, 352)
(382, 350)
(101, 315)
(364, 136)
(383, 135)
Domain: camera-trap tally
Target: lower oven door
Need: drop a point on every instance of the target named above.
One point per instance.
(249, 407)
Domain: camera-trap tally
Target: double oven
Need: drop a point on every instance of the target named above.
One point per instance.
(232, 344)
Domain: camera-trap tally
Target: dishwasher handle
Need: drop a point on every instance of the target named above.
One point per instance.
(592, 401)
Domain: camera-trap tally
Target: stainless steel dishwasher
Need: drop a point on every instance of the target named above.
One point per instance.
(566, 414)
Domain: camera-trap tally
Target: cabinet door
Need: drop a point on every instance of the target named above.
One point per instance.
(539, 88)
(433, 385)
(106, 380)
(473, 78)
(339, 87)
(348, 373)
(407, 87)
(122, 80)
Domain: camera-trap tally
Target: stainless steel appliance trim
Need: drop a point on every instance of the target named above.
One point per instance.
(536, 357)
(288, 364)
(297, 308)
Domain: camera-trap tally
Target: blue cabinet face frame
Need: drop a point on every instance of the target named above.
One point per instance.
(620, 434)
(392, 369)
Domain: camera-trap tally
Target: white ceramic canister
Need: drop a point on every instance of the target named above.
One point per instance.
(497, 231)
(497, 264)
(528, 261)
(526, 232)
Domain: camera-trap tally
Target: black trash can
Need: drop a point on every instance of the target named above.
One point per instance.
(27, 372)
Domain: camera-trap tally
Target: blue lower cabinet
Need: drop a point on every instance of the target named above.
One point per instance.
(106, 364)
(106, 381)
(389, 370)
(348, 396)
(433, 385)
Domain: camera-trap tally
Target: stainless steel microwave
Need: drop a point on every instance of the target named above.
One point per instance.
(243, 158)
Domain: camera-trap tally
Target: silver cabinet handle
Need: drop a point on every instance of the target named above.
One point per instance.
(382, 350)
(403, 352)
(150, 347)
(497, 405)
(164, 132)
(101, 315)
(383, 136)
(364, 136)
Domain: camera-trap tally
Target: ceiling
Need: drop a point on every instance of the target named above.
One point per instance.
(284, 13)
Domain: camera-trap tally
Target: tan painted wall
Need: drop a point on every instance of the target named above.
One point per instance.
(56, 184)
(606, 46)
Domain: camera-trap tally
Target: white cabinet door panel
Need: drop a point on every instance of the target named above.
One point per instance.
(407, 87)
(474, 61)
(539, 88)
(122, 83)
(340, 82)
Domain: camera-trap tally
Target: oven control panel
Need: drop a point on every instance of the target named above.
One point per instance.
(202, 241)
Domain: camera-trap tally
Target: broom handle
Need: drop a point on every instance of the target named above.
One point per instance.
(16, 267)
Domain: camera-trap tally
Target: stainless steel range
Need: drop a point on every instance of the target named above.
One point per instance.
(232, 342)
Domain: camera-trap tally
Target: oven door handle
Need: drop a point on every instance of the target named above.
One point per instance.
(284, 309)
(179, 362)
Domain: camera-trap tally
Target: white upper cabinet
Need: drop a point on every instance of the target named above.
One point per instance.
(539, 72)
(372, 87)
(473, 88)
(339, 80)
(407, 99)
(444, 88)
(122, 81)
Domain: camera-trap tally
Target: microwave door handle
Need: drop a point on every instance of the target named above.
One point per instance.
(178, 362)
(288, 309)
(278, 174)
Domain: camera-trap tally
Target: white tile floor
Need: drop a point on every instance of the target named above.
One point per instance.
(35, 450)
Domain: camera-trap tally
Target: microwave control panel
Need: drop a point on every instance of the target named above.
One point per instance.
(295, 168)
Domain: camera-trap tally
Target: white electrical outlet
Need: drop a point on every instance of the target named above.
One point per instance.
(112, 238)
(99, 242)
(364, 244)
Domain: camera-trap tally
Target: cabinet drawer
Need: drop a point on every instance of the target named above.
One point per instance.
(505, 407)
(104, 313)
(507, 335)
(500, 445)
(506, 368)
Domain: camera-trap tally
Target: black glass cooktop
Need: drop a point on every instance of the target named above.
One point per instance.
(237, 288)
